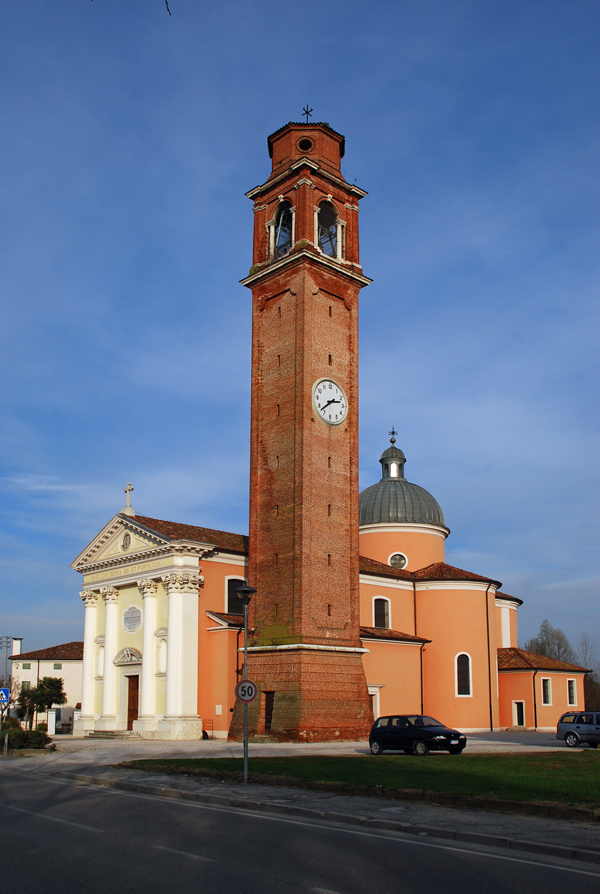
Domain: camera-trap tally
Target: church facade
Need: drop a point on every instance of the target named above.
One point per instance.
(355, 613)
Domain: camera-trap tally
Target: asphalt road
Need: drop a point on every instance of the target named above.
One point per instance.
(61, 837)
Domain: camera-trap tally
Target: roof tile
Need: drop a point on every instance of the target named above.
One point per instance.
(519, 659)
(223, 540)
(66, 652)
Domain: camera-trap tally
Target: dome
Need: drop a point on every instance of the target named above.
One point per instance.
(396, 500)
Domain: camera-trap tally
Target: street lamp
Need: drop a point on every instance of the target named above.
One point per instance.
(245, 593)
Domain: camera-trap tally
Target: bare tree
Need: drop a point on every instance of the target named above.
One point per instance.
(551, 642)
(588, 657)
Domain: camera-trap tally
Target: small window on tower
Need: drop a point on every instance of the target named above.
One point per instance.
(283, 230)
(328, 229)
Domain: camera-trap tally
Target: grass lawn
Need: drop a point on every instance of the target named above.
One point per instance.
(569, 778)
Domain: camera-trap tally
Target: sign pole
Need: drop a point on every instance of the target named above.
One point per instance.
(246, 593)
(245, 704)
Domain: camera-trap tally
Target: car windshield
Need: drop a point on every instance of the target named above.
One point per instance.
(424, 721)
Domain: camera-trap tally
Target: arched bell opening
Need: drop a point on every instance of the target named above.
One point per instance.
(282, 231)
(328, 230)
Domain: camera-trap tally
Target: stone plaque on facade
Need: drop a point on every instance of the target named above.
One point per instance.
(132, 619)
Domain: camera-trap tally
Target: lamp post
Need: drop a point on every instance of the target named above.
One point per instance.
(245, 593)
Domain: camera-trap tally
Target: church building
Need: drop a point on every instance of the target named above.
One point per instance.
(356, 613)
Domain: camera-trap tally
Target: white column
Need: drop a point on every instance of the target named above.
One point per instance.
(109, 694)
(182, 660)
(148, 590)
(84, 722)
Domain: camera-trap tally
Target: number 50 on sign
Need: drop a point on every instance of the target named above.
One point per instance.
(246, 691)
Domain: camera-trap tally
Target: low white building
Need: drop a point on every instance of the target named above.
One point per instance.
(64, 662)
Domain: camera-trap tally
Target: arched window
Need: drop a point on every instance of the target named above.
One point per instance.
(283, 230)
(235, 606)
(327, 224)
(381, 613)
(463, 675)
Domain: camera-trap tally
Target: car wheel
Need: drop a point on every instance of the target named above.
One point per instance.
(455, 750)
(376, 747)
(572, 740)
(420, 748)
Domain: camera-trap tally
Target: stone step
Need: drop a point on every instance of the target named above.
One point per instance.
(113, 734)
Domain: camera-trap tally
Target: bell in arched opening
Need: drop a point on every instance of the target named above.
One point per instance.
(283, 230)
(327, 224)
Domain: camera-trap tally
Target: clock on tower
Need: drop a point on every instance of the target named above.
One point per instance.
(305, 652)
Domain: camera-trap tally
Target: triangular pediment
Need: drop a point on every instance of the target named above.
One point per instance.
(120, 539)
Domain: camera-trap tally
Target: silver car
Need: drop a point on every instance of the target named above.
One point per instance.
(579, 729)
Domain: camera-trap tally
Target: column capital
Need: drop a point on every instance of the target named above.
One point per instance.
(147, 587)
(110, 594)
(185, 582)
(89, 597)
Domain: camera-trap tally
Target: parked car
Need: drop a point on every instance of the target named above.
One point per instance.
(579, 729)
(414, 734)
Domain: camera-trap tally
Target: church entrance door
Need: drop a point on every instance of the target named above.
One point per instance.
(133, 697)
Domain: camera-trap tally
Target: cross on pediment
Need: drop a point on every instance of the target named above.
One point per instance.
(127, 491)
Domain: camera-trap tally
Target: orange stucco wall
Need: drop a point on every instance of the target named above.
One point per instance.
(397, 667)
(518, 686)
(421, 549)
(216, 648)
(402, 615)
(455, 620)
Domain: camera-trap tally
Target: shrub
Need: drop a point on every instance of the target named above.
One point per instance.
(10, 723)
(42, 727)
(23, 738)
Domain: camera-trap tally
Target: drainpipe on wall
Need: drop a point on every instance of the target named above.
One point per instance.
(422, 700)
(487, 621)
(534, 700)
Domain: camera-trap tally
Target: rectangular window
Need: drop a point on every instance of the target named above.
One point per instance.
(25, 685)
(546, 692)
(58, 667)
(381, 613)
(571, 692)
(26, 665)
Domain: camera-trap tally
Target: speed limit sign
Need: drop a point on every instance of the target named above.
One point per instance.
(246, 691)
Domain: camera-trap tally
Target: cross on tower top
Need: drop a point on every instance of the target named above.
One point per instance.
(393, 434)
(308, 112)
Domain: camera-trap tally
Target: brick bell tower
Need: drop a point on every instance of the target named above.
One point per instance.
(305, 650)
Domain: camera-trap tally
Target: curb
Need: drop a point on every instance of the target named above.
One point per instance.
(532, 847)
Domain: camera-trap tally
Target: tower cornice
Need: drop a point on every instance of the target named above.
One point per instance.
(295, 258)
(294, 168)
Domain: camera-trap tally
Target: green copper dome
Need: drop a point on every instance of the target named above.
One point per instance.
(394, 500)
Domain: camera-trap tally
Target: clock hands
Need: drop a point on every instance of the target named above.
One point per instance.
(334, 400)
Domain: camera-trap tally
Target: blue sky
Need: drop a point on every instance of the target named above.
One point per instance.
(129, 138)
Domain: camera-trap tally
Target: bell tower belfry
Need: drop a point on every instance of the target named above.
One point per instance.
(305, 652)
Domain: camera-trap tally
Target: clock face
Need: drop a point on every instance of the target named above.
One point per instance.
(330, 401)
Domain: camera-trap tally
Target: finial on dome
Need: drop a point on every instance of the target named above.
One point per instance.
(393, 433)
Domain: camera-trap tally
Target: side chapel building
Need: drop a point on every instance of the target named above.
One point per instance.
(356, 613)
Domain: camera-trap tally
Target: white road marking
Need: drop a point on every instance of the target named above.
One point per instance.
(393, 836)
(160, 847)
(54, 819)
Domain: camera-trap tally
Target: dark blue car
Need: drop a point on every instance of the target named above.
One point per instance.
(414, 734)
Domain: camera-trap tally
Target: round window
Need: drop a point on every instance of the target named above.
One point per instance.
(398, 560)
(305, 145)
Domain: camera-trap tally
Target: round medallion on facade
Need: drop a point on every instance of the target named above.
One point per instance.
(126, 541)
(330, 402)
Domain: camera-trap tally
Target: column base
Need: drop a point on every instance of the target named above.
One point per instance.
(144, 726)
(107, 723)
(178, 728)
(82, 725)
